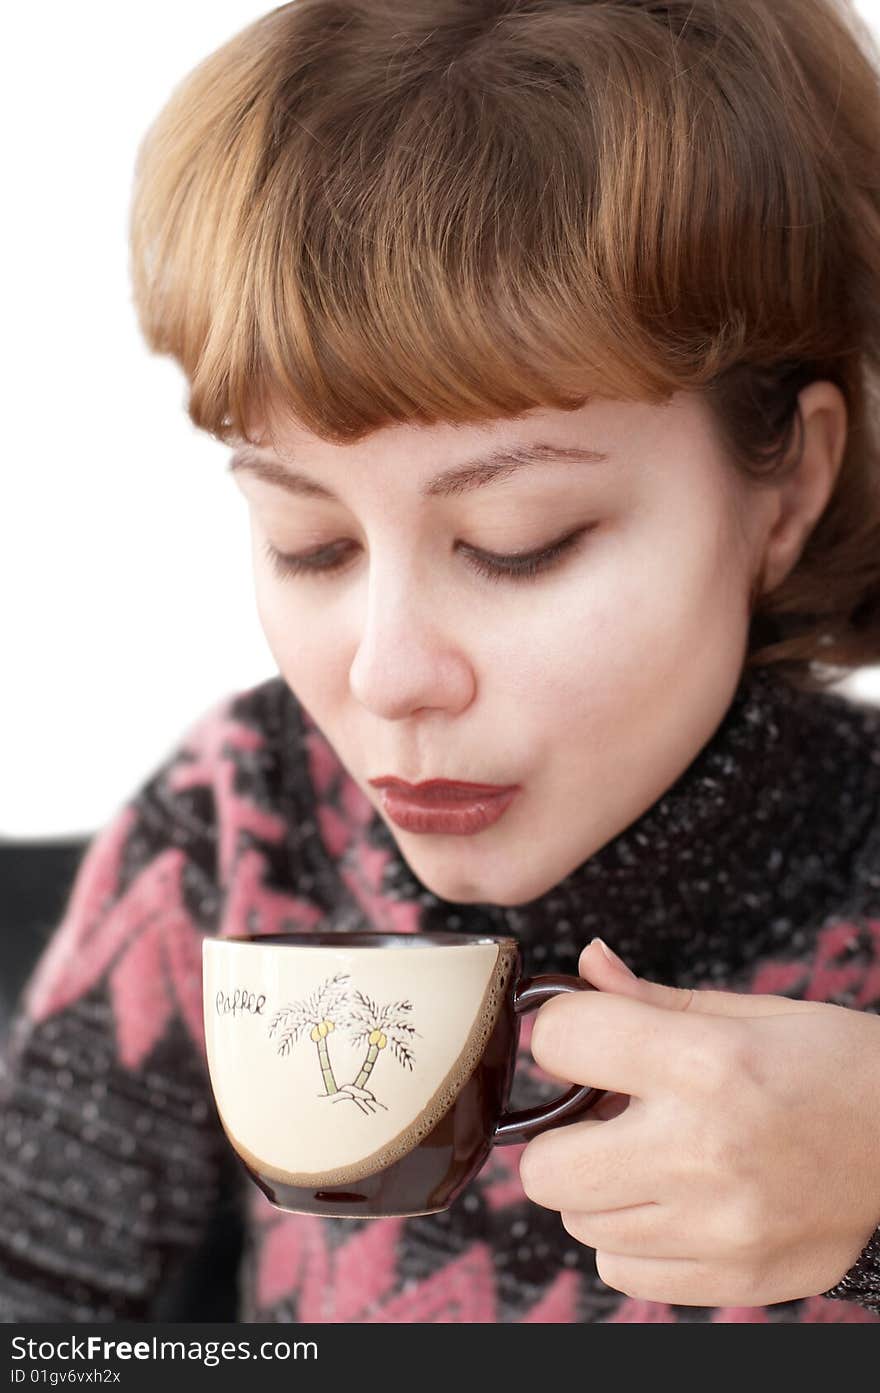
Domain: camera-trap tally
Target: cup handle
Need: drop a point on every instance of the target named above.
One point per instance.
(513, 1127)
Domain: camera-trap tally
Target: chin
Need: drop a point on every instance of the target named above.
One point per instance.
(447, 883)
(475, 870)
(452, 886)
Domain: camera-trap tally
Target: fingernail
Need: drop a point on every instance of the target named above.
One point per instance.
(613, 958)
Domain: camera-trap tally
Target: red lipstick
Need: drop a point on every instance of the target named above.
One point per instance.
(444, 805)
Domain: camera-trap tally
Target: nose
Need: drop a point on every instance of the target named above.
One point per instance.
(407, 658)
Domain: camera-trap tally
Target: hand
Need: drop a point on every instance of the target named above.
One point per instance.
(745, 1169)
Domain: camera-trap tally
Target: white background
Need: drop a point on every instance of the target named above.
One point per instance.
(124, 558)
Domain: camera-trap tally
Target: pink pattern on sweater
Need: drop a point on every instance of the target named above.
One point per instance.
(142, 1004)
(816, 1309)
(633, 1311)
(207, 761)
(821, 1310)
(363, 1272)
(461, 1292)
(820, 977)
(85, 920)
(293, 1258)
(348, 1283)
(251, 907)
(146, 941)
(558, 1305)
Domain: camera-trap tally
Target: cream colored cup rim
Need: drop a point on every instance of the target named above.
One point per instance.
(356, 942)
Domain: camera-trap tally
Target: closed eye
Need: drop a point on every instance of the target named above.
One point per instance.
(520, 566)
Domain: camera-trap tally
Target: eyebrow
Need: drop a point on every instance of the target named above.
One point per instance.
(463, 478)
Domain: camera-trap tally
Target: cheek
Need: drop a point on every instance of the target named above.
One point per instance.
(677, 592)
(303, 649)
(663, 600)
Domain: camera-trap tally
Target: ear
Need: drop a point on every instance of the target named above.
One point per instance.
(795, 505)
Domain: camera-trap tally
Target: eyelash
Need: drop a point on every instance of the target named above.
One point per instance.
(514, 568)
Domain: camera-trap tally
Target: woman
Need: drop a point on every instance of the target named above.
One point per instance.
(555, 428)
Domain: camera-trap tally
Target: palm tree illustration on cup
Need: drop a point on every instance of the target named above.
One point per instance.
(366, 1023)
(319, 1014)
(378, 1028)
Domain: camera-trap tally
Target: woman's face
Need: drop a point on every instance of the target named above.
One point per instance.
(592, 684)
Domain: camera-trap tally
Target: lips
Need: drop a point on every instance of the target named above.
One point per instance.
(444, 805)
(435, 793)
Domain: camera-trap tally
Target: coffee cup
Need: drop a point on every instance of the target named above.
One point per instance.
(368, 1074)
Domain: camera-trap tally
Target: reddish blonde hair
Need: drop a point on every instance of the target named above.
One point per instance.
(385, 211)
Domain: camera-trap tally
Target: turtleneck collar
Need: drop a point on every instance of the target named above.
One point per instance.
(756, 841)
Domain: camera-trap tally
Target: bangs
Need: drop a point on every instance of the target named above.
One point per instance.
(364, 214)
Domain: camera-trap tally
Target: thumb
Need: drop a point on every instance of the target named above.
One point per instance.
(602, 968)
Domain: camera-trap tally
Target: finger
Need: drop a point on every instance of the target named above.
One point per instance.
(612, 1042)
(595, 968)
(680, 1281)
(638, 1230)
(592, 1166)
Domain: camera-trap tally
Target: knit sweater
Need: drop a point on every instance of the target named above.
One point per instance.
(758, 871)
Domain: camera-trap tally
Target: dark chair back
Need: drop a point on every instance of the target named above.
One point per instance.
(35, 880)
